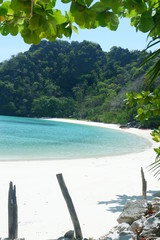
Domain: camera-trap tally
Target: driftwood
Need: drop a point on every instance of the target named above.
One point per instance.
(77, 228)
(12, 213)
(144, 185)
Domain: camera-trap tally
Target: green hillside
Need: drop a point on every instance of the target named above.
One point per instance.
(78, 80)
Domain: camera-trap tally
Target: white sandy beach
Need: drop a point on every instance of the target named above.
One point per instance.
(99, 188)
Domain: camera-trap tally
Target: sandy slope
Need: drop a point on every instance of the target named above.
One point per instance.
(99, 188)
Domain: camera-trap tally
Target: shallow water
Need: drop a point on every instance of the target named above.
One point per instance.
(37, 139)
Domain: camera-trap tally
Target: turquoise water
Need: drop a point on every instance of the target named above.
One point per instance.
(37, 139)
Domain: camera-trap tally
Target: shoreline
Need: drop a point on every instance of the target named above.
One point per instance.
(135, 131)
(99, 188)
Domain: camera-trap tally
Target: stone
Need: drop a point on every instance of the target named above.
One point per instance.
(112, 236)
(120, 232)
(151, 227)
(133, 211)
(156, 200)
(123, 227)
(157, 194)
(69, 234)
(157, 214)
(138, 224)
(156, 204)
(126, 235)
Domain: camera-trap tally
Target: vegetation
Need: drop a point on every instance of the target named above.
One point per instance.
(38, 19)
(71, 80)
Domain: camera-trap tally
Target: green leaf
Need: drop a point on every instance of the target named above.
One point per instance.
(5, 30)
(114, 22)
(102, 19)
(75, 29)
(139, 96)
(83, 16)
(88, 2)
(81, 2)
(45, 1)
(137, 6)
(98, 7)
(13, 30)
(18, 5)
(58, 17)
(140, 111)
(146, 22)
(157, 150)
(50, 29)
(66, 1)
(50, 5)
(115, 5)
(35, 22)
(3, 9)
(75, 8)
(32, 37)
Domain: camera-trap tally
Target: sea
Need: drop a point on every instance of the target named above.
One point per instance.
(39, 139)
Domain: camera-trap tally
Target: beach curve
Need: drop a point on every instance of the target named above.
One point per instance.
(99, 188)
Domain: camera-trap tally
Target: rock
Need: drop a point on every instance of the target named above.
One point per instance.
(69, 234)
(120, 232)
(157, 194)
(156, 204)
(156, 200)
(133, 211)
(123, 227)
(126, 235)
(157, 214)
(151, 227)
(112, 236)
(138, 224)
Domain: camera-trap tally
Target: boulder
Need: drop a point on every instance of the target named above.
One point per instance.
(156, 194)
(120, 232)
(69, 234)
(151, 227)
(138, 224)
(123, 227)
(126, 235)
(156, 204)
(133, 211)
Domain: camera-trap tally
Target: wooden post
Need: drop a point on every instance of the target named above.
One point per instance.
(70, 206)
(144, 185)
(12, 213)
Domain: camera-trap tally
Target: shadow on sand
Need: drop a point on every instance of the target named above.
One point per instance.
(117, 205)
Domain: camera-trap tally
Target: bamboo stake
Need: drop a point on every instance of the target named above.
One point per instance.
(12, 213)
(70, 206)
(144, 185)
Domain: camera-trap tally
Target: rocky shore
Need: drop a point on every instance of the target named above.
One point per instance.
(140, 220)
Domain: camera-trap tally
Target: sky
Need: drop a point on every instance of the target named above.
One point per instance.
(125, 37)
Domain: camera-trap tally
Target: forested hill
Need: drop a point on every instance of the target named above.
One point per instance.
(79, 80)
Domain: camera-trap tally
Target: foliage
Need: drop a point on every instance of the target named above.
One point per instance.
(149, 110)
(77, 80)
(148, 104)
(38, 19)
